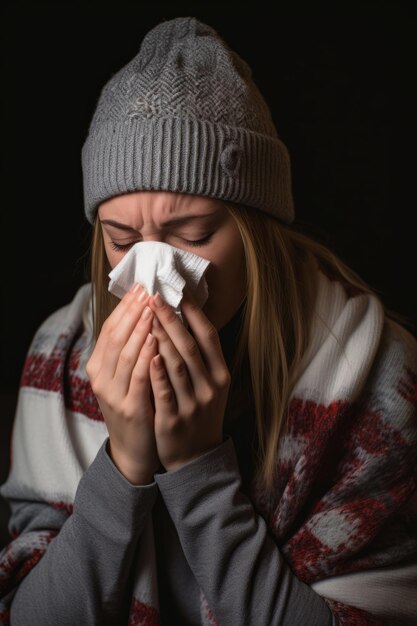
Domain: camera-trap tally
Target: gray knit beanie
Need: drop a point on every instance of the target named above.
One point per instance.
(185, 115)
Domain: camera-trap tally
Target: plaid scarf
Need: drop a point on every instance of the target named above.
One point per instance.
(347, 462)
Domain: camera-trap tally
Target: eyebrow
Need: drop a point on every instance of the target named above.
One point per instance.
(173, 222)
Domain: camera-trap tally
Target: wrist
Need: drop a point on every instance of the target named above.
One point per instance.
(136, 474)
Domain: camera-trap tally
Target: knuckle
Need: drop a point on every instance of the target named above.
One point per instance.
(125, 359)
(191, 348)
(165, 395)
(97, 388)
(212, 334)
(157, 328)
(174, 427)
(170, 315)
(90, 369)
(208, 395)
(125, 412)
(114, 341)
(188, 412)
(138, 377)
(179, 367)
(193, 306)
(224, 378)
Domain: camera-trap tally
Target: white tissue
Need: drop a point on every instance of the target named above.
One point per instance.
(163, 268)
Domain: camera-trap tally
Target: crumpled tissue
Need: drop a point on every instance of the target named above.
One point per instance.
(161, 267)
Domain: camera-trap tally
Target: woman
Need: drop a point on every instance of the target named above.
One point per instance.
(253, 465)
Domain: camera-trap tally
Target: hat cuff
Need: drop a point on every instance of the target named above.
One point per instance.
(187, 155)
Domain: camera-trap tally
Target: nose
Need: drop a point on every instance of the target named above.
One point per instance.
(153, 237)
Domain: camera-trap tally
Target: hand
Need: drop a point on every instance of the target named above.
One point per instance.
(118, 370)
(191, 385)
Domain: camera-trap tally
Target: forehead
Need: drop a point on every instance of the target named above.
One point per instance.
(140, 206)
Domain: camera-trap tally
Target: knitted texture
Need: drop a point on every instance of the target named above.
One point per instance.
(345, 498)
(185, 115)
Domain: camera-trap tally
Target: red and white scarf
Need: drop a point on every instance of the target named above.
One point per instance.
(344, 513)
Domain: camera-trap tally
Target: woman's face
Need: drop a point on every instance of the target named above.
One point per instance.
(144, 216)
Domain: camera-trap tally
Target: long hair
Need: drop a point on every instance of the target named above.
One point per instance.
(277, 315)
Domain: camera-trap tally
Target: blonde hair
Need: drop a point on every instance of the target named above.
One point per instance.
(277, 315)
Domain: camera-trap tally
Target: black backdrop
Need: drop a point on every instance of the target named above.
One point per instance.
(340, 82)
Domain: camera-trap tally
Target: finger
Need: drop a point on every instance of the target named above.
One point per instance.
(206, 336)
(113, 319)
(164, 397)
(140, 382)
(175, 368)
(130, 352)
(118, 334)
(183, 342)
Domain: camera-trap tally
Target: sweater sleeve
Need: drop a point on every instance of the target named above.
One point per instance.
(237, 564)
(84, 575)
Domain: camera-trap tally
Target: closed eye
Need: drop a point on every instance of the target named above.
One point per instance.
(198, 242)
(121, 247)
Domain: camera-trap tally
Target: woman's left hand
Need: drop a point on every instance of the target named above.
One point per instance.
(190, 387)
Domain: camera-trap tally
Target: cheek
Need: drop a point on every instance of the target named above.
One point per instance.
(227, 266)
(113, 256)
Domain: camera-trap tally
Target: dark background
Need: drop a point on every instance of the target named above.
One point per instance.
(340, 82)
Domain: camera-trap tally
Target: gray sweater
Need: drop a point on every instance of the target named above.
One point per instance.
(206, 532)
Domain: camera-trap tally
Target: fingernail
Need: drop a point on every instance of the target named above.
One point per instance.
(156, 323)
(136, 287)
(146, 313)
(142, 296)
(158, 300)
(149, 340)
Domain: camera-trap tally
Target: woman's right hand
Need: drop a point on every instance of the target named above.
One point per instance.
(118, 369)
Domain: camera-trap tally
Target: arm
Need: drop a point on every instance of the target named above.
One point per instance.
(234, 559)
(84, 574)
